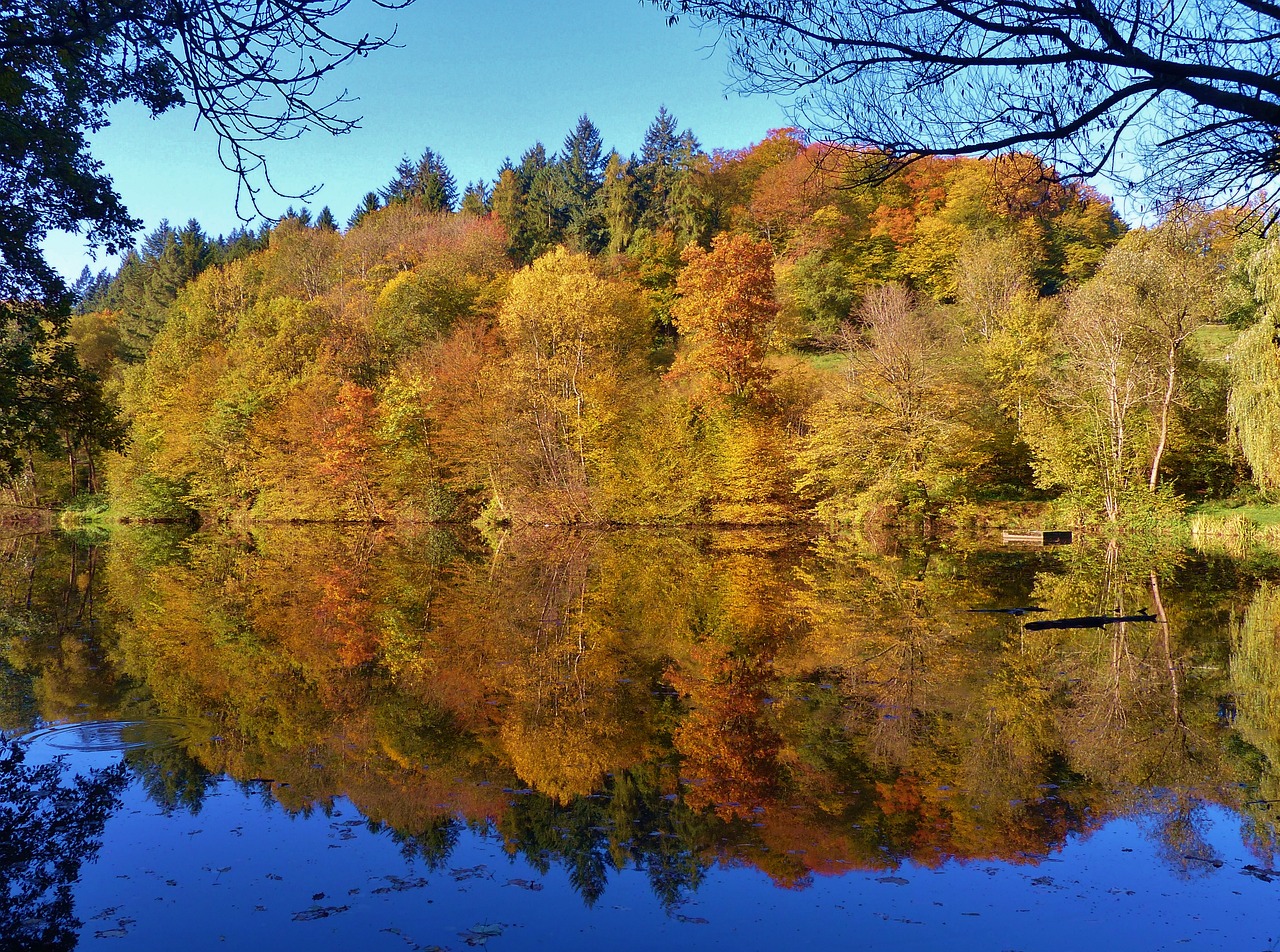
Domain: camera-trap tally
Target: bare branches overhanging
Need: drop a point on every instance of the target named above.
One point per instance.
(1179, 100)
(255, 70)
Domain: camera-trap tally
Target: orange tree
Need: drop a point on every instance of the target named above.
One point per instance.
(725, 312)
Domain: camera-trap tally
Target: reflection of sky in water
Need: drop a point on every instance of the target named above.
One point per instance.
(240, 872)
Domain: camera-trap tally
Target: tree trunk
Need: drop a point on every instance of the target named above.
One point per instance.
(1166, 404)
(71, 463)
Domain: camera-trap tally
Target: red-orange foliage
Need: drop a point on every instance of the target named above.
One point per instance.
(725, 312)
(349, 445)
(729, 745)
(345, 616)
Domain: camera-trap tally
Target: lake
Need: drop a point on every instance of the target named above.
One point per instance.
(318, 737)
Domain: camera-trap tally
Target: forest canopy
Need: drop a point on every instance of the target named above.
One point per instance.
(747, 336)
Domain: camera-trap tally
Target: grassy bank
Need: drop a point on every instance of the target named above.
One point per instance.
(1218, 525)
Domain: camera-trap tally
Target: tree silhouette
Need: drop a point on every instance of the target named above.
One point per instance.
(252, 70)
(48, 830)
(1193, 91)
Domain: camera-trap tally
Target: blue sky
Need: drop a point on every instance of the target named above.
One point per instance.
(475, 81)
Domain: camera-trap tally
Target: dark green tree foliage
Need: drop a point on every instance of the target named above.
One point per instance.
(427, 181)
(583, 160)
(582, 164)
(547, 209)
(325, 219)
(370, 203)
(149, 280)
(240, 243)
(88, 291)
(173, 779)
(544, 195)
(48, 830)
(592, 836)
(477, 199)
(659, 165)
(301, 215)
(47, 400)
(671, 199)
(532, 162)
(78, 421)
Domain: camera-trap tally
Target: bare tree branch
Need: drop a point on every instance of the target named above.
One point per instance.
(1181, 98)
(254, 70)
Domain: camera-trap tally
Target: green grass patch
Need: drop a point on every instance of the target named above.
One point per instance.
(1214, 340)
(1240, 529)
(1262, 514)
(828, 361)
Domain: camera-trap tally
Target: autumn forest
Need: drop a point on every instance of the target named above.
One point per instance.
(758, 336)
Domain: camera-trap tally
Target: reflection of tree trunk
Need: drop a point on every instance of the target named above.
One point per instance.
(1110, 560)
(896, 698)
(1168, 653)
(1115, 692)
(1112, 599)
(86, 597)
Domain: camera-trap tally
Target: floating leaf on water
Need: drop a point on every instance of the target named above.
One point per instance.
(399, 885)
(318, 912)
(479, 935)
(471, 872)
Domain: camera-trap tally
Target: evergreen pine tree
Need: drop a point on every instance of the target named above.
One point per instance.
(507, 202)
(476, 199)
(581, 166)
(370, 203)
(325, 220)
(428, 181)
(617, 202)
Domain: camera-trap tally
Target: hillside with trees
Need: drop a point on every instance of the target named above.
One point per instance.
(678, 336)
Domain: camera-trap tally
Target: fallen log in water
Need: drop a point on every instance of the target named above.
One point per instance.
(1088, 621)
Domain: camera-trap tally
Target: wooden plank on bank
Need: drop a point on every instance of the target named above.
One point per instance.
(1039, 537)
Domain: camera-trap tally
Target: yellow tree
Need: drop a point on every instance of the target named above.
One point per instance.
(572, 339)
(1091, 435)
(894, 433)
(1125, 339)
(1172, 273)
(1254, 406)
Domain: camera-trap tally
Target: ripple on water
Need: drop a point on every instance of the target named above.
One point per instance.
(112, 736)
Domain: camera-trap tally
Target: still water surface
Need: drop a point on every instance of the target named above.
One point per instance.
(311, 738)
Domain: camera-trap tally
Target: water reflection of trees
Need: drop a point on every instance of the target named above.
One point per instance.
(50, 825)
(673, 701)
